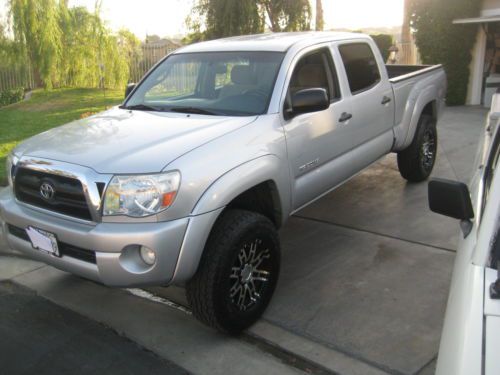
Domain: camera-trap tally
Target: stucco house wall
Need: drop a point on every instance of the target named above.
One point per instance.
(489, 8)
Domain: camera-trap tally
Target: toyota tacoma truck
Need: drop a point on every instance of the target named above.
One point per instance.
(188, 181)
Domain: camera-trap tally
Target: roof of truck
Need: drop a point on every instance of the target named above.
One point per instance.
(278, 42)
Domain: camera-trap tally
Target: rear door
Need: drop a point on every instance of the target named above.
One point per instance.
(371, 96)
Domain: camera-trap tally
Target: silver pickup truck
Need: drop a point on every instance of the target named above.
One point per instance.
(188, 181)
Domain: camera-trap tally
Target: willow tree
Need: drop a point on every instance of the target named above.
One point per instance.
(79, 65)
(35, 25)
(222, 18)
(287, 15)
(68, 46)
(211, 19)
(4, 46)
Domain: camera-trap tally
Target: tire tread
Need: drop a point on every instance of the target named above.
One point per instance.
(200, 290)
(408, 159)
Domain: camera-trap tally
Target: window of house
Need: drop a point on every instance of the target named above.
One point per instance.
(360, 66)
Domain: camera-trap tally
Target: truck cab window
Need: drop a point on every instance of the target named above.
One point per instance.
(216, 83)
(360, 66)
(314, 70)
(178, 81)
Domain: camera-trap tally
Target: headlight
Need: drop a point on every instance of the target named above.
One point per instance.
(10, 163)
(139, 196)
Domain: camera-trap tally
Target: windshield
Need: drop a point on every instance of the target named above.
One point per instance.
(213, 83)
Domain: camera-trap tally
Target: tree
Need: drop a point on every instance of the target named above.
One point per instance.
(319, 16)
(36, 29)
(222, 18)
(129, 44)
(211, 19)
(69, 46)
(4, 45)
(287, 15)
(441, 42)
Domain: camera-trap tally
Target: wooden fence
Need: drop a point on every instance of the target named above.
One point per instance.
(22, 76)
(16, 76)
(140, 65)
(408, 53)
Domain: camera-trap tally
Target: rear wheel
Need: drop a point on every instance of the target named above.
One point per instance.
(416, 162)
(238, 272)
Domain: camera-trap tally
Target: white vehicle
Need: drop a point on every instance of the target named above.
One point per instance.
(470, 343)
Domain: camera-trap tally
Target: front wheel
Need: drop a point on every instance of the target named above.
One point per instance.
(416, 162)
(238, 272)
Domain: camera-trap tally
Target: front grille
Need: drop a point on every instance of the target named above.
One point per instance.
(64, 248)
(68, 199)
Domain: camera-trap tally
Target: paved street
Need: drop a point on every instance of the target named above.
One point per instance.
(363, 288)
(40, 337)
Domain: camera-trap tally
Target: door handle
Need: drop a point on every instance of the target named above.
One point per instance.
(345, 116)
(385, 100)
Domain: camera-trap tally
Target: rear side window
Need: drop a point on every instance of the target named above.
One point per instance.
(360, 65)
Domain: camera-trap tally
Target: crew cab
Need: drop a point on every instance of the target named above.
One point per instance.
(188, 181)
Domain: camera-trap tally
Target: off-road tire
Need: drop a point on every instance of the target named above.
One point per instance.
(235, 233)
(416, 162)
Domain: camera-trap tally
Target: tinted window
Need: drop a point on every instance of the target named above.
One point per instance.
(360, 65)
(313, 71)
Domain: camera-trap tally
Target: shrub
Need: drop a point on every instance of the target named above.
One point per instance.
(11, 96)
(383, 42)
(441, 42)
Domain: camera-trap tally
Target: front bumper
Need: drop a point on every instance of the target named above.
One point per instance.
(111, 266)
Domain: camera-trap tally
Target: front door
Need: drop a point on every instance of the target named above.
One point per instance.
(314, 140)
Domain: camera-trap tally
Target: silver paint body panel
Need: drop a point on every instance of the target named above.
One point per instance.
(218, 158)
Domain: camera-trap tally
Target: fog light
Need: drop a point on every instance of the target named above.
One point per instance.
(148, 255)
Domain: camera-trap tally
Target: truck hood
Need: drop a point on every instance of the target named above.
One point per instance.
(123, 141)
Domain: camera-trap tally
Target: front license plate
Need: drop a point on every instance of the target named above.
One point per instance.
(42, 240)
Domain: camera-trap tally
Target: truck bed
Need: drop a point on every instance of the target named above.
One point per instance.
(398, 73)
(408, 82)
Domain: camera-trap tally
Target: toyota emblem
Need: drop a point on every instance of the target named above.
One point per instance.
(47, 191)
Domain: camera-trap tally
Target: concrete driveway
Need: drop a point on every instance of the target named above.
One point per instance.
(363, 288)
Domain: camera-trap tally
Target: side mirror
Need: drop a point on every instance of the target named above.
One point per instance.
(310, 100)
(450, 198)
(130, 87)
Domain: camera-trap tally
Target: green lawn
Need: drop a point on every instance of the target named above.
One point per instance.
(45, 110)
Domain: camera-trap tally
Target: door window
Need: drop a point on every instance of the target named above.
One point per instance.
(360, 66)
(315, 70)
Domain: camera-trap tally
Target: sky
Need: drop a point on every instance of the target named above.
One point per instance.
(167, 17)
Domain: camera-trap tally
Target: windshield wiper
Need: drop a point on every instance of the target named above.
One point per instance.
(141, 107)
(199, 111)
